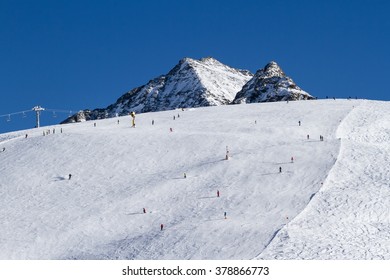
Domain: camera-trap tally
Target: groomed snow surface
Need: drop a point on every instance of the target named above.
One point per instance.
(332, 202)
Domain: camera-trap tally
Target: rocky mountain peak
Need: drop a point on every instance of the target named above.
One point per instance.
(270, 84)
(272, 69)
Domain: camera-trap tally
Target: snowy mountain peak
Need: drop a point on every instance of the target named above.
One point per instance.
(209, 60)
(191, 83)
(205, 61)
(270, 84)
(272, 69)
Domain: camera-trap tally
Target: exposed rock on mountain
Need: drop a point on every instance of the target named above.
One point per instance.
(270, 84)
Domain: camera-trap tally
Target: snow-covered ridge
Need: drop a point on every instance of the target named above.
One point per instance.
(198, 83)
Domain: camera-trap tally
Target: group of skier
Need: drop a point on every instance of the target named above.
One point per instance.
(185, 175)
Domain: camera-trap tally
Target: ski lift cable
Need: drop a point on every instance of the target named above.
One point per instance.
(15, 113)
(30, 110)
(61, 110)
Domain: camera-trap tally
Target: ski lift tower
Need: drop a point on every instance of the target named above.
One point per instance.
(38, 110)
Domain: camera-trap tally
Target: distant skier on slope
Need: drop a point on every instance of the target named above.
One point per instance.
(144, 210)
(227, 153)
(217, 193)
(280, 169)
(161, 227)
(70, 176)
(292, 159)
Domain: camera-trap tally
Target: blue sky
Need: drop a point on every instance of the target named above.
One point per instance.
(73, 55)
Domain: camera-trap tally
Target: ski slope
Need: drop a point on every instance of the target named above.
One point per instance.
(349, 218)
(331, 202)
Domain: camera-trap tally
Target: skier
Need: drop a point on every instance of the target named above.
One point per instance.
(308, 137)
(152, 122)
(292, 159)
(94, 124)
(144, 210)
(224, 214)
(280, 169)
(61, 129)
(185, 175)
(161, 227)
(255, 122)
(173, 117)
(118, 121)
(70, 176)
(171, 129)
(26, 136)
(3, 149)
(217, 193)
(178, 115)
(299, 123)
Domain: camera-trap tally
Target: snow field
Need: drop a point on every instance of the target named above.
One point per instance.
(118, 170)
